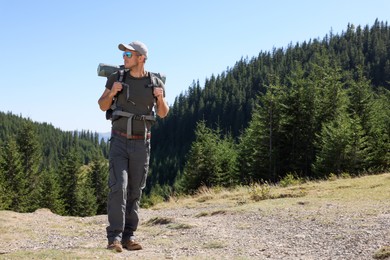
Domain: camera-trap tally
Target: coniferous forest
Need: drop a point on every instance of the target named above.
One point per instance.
(309, 110)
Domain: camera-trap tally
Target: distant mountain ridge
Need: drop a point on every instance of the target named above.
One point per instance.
(104, 136)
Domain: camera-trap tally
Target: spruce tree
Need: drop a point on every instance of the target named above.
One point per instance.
(31, 155)
(85, 204)
(378, 158)
(14, 178)
(69, 172)
(5, 191)
(99, 182)
(260, 146)
(51, 196)
(334, 144)
(212, 161)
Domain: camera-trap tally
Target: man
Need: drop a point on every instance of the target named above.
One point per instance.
(131, 95)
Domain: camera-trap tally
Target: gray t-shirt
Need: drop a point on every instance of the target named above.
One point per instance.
(137, 99)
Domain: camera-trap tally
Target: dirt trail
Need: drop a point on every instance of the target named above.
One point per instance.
(233, 228)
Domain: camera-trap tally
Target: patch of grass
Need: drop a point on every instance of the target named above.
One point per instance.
(214, 245)
(343, 187)
(86, 253)
(375, 186)
(382, 253)
(218, 212)
(179, 226)
(158, 221)
(362, 191)
(241, 201)
(205, 193)
(343, 175)
(260, 192)
(201, 214)
(298, 194)
(204, 198)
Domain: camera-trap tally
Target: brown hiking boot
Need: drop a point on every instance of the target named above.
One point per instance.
(116, 245)
(132, 245)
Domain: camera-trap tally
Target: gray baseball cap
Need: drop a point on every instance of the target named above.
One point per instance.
(135, 46)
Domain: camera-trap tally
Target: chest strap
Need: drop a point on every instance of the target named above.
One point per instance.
(130, 117)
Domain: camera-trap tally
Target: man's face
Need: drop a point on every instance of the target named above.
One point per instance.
(131, 58)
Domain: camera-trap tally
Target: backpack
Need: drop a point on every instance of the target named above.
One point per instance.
(156, 79)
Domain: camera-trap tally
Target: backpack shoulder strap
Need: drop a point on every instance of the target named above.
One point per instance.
(121, 77)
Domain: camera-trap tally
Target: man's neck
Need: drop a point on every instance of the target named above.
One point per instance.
(138, 73)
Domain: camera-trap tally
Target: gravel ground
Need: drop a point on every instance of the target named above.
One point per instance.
(294, 228)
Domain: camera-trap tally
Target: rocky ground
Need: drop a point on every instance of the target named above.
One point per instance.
(315, 225)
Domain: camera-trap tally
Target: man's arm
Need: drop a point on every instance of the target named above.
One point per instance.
(105, 100)
(162, 105)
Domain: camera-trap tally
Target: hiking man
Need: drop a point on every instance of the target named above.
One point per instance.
(130, 96)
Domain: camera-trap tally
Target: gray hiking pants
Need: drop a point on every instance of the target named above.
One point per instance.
(128, 169)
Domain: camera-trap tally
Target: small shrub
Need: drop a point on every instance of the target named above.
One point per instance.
(151, 200)
(332, 177)
(345, 175)
(290, 179)
(260, 191)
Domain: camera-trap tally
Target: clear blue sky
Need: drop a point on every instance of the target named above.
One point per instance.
(50, 50)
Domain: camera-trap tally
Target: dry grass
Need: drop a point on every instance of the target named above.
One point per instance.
(362, 191)
(383, 253)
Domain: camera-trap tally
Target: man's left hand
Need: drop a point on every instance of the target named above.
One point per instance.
(158, 92)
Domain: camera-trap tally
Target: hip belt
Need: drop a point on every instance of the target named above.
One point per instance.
(130, 117)
(131, 137)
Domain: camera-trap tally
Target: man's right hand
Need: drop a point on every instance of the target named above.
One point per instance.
(108, 95)
(116, 87)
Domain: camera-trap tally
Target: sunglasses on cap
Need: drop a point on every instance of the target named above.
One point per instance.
(129, 54)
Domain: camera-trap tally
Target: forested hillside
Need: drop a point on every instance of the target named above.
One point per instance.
(44, 167)
(309, 110)
(313, 108)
